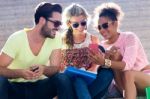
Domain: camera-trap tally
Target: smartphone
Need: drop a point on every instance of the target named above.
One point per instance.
(34, 68)
(94, 47)
(101, 48)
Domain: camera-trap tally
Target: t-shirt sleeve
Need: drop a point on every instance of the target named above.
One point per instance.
(10, 48)
(131, 50)
(58, 42)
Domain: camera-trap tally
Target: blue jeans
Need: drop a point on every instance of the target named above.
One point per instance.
(97, 89)
(58, 84)
(81, 89)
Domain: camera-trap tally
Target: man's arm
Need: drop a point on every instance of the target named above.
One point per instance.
(5, 60)
(50, 70)
(55, 63)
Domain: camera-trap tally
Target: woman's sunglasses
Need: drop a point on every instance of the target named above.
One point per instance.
(76, 24)
(56, 23)
(104, 25)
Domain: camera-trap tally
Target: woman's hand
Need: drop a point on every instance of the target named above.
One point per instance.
(96, 57)
(113, 54)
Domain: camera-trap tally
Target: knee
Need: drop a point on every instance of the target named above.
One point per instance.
(128, 75)
(110, 73)
(3, 82)
(106, 74)
(62, 78)
(79, 81)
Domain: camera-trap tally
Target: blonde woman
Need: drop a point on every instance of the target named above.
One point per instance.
(76, 36)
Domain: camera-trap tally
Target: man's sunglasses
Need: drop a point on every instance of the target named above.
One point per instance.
(76, 24)
(56, 23)
(104, 25)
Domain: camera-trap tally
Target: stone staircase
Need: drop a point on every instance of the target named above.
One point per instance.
(17, 14)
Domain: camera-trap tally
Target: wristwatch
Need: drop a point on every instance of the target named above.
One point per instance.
(107, 63)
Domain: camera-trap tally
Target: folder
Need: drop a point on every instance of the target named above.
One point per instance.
(87, 76)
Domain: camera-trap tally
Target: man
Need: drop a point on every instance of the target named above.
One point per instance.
(24, 57)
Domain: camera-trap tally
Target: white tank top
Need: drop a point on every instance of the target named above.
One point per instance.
(85, 43)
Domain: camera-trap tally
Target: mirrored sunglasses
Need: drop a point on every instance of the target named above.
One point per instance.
(104, 26)
(76, 24)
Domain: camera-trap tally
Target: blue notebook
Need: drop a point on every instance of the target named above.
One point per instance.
(85, 75)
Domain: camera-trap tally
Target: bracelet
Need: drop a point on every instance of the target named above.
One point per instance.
(107, 63)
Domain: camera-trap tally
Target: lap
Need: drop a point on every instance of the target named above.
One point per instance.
(48, 88)
(41, 89)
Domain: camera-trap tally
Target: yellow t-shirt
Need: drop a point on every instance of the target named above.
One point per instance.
(17, 47)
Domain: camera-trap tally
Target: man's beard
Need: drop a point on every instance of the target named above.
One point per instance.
(46, 32)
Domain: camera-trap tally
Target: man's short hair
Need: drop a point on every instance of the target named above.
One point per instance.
(45, 9)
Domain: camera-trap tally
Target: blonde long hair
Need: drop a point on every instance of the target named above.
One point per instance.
(70, 11)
